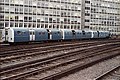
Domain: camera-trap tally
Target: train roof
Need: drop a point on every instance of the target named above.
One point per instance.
(67, 30)
(40, 29)
(54, 30)
(78, 30)
(20, 29)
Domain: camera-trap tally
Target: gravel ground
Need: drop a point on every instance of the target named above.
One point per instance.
(115, 75)
(92, 72)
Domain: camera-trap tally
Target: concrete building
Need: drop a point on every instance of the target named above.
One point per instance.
(41, 13)
(61, 14)
(105, 15)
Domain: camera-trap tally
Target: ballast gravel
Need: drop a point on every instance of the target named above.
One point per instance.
(94, 71)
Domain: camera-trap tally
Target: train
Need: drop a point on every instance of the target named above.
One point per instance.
(22, 35)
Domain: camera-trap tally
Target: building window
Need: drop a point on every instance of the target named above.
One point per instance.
(42, 25)
(87, 2)
(1, 25)
(87, 20)
(87, 14)
(25, 25)
(86, 27)
(88, 8)
(20, 24)
(38, 25)
(11, 24)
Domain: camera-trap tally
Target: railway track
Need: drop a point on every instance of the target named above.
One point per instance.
(14, 52)
(58, 73)
(39, 54)
(10, 48)
(17, 57)
(32, 45)
(36, 66)
(27, 46)
(112, 74)
(37, 47)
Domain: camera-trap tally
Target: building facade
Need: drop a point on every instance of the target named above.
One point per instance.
(105, 15)
(61, 14)
(41, 13)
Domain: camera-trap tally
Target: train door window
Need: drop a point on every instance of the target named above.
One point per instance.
(48, 34)
(30, 33)
(83, 32)
(40, 33)
(73, 32)
(58, 32)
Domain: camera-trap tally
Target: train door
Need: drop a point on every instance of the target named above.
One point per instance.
(92, 36)
(83, 34)
(32, 35)
(98, 34)
(73, 33)
(1, 35)
(49, 34)
(4, 35)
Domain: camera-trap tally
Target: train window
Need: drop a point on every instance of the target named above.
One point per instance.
(40, 33)
(30, 33)
(23, 32)
(58, 32)
(43, 33)
(19, 32)
(88, 32)
(73, 32)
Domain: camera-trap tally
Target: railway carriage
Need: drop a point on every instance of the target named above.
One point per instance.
(95, 34)
(41, 34)
(78, 34)
(67, 34)
(104, 34)
(15, 35)
(86, 34)
(37, 35)
(107, 34)
(54, 34)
